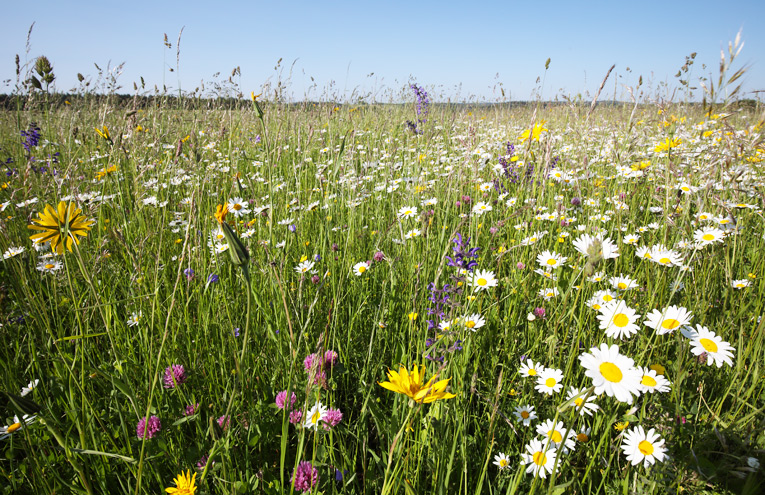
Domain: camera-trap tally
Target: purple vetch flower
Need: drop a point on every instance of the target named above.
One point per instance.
(281, 398)
(31, 137)
(212, 279)
(236, 332)
(464, 257)
(305, 477)
(148, 428)
(174, 375)
(189, 273)
(332, 418)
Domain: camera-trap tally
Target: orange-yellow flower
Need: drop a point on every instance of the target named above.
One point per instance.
(410, 384)
(220, 212)
(60, 226)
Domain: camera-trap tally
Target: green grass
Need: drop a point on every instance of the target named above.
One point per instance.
(98, 376)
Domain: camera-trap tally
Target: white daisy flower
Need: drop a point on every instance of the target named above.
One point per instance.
(668, 320)
(549, 381)
(618, 320)
(525, 414)
(612, 373)
(540, 458)
(530, 368)
(640, 446)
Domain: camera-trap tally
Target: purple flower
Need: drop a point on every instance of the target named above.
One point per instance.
(296, 416)
(202, 463)
(575, 201)
(305, 477)
(315, 279)
(191, 409)
(332, 417)
(520, 265)
(174, 375)
(330, 358)
(148, 428)
(281, 398)
(212, 279)
(224, 422)
(379, 256)
(236, 332)
(308, 362)
(539, 312)
(31, 137)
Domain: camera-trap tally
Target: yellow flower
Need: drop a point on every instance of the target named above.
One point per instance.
(412, 316)
(105, 171)
(104, 133)
(535, 132)
(184, 484)
(60, 226)
(220, 212)
(254, 96)
(667, 145)
(621, 425)
(410, 384)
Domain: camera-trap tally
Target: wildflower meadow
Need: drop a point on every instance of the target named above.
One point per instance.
(254, 295)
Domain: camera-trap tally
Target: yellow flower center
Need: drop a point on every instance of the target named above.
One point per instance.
(533, 239)
(237, 207)
(407, 212)
(607, 298)
(622, 285)
(482, 282)
(708, 237)
(470, 324)
(596, 306)
(670, 324)
(525, 414)
(552, 261)
(503, 463)
(316, 417)
(550, 382)
(648, 381)
(621, 320)
(49, 266)
(645, 447)
(578, 401)
(14, 427)
(555, 436)
(539, 458)
(708, 345)
(665, 261)
(611, 372)
(532, 372)
(582, 437)
(362, 269)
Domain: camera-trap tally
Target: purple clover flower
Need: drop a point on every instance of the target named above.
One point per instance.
(174, 375)
(332, 418)
(281, 400)
(305, 477)
(148, 428)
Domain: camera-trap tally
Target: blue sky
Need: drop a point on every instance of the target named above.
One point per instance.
(458, 50)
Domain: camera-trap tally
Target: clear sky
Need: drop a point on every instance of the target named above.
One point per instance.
(457, 50)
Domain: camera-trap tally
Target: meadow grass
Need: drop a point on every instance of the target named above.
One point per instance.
(98, 328)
